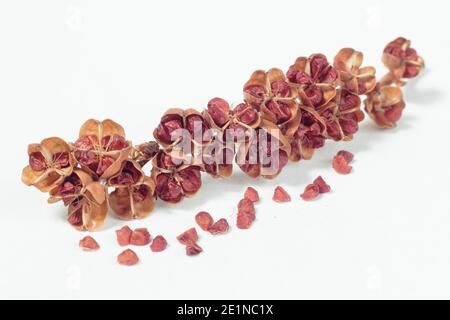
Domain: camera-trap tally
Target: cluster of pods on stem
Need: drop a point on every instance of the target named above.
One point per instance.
(284, 116)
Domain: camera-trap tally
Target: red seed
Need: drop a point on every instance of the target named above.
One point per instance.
(204, 220)
(219, 227)
(348, 156)
(280, 195)
(124, 236)
(245, 220)
(128, 258)
(188, 237)
(140, 237)
(251, 194)
(193, 249)
(246, 206)
(323, 186)
(341, 165)
(89, 244)
(310, 193)
(159, 244)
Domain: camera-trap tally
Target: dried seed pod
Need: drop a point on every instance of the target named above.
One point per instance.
(218, 113)
(175, 180)
(342, 115)
(85, 198)
(270, 93)
(384, 105)
(145, 152)
(49, 163)
(402, 62)
(310, 135)
(182, 126)
(101, 148)
(352, 77)
(134, 194)
(265, 153)
(217, 159)
(315, 80)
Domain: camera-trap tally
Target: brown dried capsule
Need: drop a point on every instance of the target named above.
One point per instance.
(85, 198)
(385, 105)
(133, 197)
(175, 180)
(402, 61)
(352, 77)
(101, 148)
(128, 258)
(159, 244)
(251, 194)
(315, 80)
(342, 115)
(49, 163)
(281, 195)
(204, 220)
(270, 93)
(89, 244)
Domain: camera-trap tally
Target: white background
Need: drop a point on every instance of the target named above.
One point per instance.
(384, 231)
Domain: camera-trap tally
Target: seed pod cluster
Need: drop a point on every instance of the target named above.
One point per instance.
(283, 116)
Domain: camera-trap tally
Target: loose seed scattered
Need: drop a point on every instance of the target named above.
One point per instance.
(322, 185)
(204, 220)
(89, 244)
(310, 193)
(220, 227)
(124, 236)
(251, 194)
(159, 244)
(128, 258)
(140, 237)
(280, 195)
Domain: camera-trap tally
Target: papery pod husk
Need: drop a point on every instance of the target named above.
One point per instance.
(334, 105)
(85, 180)
(290, 127)
(258, 78)
(172, 111)
(47, 179)
(94, 206)
(101, 129)
(348, 64)
(379, 100)
(189, 112)
(145, 152)
(257, 170)
(126, 208)
(138, 168)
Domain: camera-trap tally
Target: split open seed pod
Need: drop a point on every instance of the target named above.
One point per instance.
(270, 93)
(265, 153)
(174, 179)
(402, 61)
(101, 148)
(85, 198)
(133, 197)
(352, 77)
(217, 159)
(385, 105)
(49, 163)
(342, 115)
(310, 135)
(315, 80)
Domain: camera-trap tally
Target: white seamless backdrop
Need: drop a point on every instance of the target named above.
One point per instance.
(382, 233)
